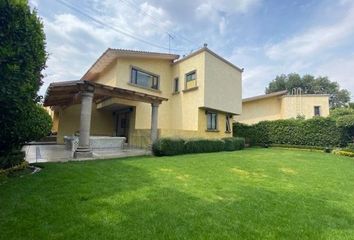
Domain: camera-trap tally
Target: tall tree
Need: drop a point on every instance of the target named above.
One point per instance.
(311, 85)
(22, 58)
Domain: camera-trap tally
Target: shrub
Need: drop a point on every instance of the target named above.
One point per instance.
(343, 153)
(21, 166)
(11, 159)
(168, 147)
(318, 131)
(204, 145)
(233, 143)
(350, 146)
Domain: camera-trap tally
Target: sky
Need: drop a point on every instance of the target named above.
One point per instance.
(265, 37)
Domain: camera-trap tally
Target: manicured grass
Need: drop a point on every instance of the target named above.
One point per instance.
(250, 194)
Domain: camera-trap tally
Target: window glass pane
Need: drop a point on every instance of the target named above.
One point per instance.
(214, 121)
(133, 77)
(228, 129)
(208, 121)
(176, 85)
(144, 79)
(317, 111)
(211, 121)
(191, 76)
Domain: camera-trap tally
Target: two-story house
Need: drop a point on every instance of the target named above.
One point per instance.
(144, 95)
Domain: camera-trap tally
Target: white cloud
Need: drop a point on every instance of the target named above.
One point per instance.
(227, 6)
(313, 40)
(222, 25)
(339, 70)
(34, 3)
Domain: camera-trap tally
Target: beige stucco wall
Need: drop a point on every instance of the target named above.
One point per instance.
(293, 106)
(55, 125)
(223, 86)
(184, 105)
(102, 123)
(260, 110)
(282, 107)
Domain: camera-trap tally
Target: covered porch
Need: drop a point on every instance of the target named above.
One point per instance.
(65, 94)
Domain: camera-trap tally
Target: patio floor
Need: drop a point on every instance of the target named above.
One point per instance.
(58, 153)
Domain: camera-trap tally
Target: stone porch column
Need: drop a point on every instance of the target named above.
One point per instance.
(154, 119)
(84, 150)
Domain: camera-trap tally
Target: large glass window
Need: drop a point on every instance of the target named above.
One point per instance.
(144, 79)
(212, 121)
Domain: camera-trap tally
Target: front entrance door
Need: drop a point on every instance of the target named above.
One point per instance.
(123, 124)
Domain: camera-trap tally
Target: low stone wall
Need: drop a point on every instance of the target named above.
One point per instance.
(107, 142)
(96, 142)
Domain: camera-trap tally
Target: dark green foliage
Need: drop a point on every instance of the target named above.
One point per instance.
(23, 57)
(11, 159)
(203, 145)
(317, 131)
(311, 85)
(168, 147)
(347, 123)
(339, 112)
(233, 143)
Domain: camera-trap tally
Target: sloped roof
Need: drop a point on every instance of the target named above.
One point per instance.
(212, 53)
(275, 94)
(111, 54)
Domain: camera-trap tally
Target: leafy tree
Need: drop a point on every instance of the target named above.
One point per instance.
(340, 112)
(22, 58)
(311, 85)
(347, 122)
(351, 105)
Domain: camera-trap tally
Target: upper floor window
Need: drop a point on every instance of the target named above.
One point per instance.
(176, 85)
(191, 79)
(144, 79)
(317, 111)
(191, 76)
(212, 120)
(228, 126)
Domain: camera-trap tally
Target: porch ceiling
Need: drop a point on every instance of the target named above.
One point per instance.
(68, 93)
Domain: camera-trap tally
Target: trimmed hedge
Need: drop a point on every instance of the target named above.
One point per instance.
(168, 147)
(318, 131)
(233, 143)
(204, 145)
(11, 159)
(171, 146)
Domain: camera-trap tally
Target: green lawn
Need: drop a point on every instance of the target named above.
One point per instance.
(250, 194)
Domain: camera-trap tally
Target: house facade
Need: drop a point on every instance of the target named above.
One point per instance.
(139, 95)
(281, 105)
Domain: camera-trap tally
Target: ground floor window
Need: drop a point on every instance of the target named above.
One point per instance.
(212, 121)
(317, 111)
(228, 126)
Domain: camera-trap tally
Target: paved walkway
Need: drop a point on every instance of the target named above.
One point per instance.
(58, 153)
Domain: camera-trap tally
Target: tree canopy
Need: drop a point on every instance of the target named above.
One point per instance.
(311, 85)
(22, 58)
